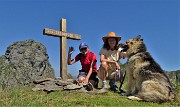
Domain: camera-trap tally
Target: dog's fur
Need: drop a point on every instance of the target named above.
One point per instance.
(146, 80)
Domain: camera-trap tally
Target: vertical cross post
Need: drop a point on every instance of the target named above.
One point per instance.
(63, 35)
(63, 62)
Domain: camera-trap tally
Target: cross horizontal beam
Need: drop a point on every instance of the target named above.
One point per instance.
(57, 33)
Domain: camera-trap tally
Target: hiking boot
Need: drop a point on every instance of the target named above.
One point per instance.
(89, 87)
(112, 85)
(103, 90)
(94, 83)
(104, 85)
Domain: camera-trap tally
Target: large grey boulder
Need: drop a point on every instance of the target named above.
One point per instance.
(24, 62)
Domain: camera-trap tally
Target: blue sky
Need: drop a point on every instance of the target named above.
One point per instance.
(157, 21)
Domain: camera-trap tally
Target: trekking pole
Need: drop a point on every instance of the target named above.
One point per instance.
(122, 81)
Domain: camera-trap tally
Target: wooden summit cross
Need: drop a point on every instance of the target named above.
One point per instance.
(63, 35)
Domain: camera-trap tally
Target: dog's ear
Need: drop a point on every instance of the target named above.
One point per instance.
(138, 37)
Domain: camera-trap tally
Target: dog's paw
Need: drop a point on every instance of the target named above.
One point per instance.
(134, 98)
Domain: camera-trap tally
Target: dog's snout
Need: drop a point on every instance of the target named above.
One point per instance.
(124, 47)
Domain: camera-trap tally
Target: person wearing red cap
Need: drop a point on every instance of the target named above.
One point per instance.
(110, 54)
(88, 73)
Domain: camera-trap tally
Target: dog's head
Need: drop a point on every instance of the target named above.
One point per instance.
(133, 46)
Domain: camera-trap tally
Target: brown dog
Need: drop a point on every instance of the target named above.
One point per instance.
(146, 80)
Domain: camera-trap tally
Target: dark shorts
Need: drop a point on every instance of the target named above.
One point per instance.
(92, 79)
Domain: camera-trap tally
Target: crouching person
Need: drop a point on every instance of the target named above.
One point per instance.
(88, 73)
(110, 54)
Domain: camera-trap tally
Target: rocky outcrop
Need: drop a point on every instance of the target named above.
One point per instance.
(23, 62)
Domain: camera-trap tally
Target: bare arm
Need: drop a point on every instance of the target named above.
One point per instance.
(104, 59)
(69, 60)
(89, 74)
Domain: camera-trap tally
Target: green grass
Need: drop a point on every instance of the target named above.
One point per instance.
(26, 97)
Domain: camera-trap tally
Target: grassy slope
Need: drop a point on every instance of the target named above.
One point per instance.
(26, 97)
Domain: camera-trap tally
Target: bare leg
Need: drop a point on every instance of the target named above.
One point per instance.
(103, 72)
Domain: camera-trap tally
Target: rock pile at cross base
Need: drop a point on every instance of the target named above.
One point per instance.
(70, 85)
(24, 62)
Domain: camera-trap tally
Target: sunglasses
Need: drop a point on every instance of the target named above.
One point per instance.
(83, 49)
